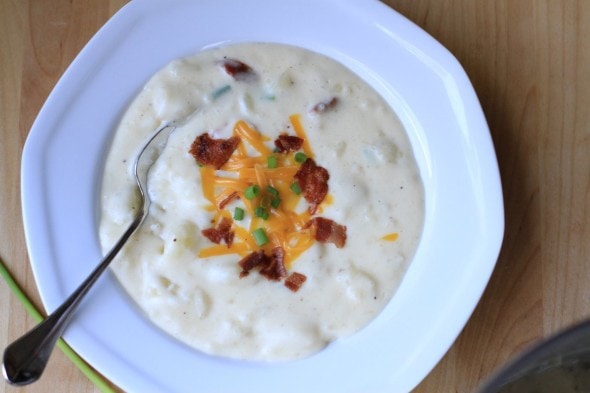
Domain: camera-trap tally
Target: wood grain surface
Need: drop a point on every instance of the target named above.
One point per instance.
(529, 61)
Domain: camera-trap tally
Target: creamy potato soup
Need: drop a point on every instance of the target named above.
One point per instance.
(285, 209)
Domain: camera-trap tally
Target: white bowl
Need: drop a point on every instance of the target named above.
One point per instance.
(65, 151)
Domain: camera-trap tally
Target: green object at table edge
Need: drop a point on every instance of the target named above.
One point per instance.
(92, 375)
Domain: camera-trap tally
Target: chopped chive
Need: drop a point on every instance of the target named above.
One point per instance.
(295, 188)
(259, 211)
(275, 202)
(262, 213)
(272, 191)
(260, 237)
(238, 214)
(300, 157)
(221, 91)
(252, 191)
(272, 162)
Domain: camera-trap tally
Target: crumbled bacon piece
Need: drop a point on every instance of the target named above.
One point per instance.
(313, 181)
(275, 269)
(325, 105)
(228, 199)
(223, 232)
(252, 260)
(213, 152)
(238, 70)
(327, 231)
(295, 281)
(285, 143)
(271, 266)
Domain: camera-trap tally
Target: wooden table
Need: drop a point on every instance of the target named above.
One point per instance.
(529, 61)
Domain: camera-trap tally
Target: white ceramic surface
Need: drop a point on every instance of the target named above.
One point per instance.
(65, 151)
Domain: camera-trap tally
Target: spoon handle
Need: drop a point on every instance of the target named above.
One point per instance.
(25, 359)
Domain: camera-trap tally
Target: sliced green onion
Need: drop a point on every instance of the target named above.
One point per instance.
(272, 162)
(262, 213)
(275, 202)
(238, 214)
(252, 191)
(260, 237)
(221, 91)
(300, 157)
(295, 188)
(272, 191)
(259, 211)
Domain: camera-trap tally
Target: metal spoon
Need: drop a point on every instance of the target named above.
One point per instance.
(25, 359)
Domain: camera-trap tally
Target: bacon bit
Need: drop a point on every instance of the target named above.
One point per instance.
(272, 267)
(250, 261)
(285, 143)
(325, 105)
(275, 270)
(313, 181)
(213, 152)
(222, 232)
(295, 281)
(327, 231)
(228, 199)
(238, 70)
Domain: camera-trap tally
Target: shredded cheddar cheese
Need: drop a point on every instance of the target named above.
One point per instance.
(283, 224)
(390, 237)
(298, 128)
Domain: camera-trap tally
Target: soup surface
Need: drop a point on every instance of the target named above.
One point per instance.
(285, 208)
